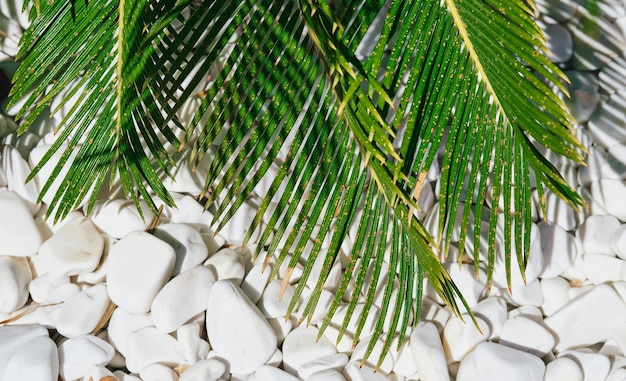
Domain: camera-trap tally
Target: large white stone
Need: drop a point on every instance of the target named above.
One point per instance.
(44, 285)
(37, 359)
(563, 368)
(527, 335)
(227, 265)
(272, 303)
(187, 243)
(16, 170)
(357, 372)
(611, 195)
(327, 375)
(493, 311)
(119, 217)
(461, 337)
(182, 298)
(618, 242)
(555, 294)
(147, 346)
(270, 373)
(601, 268)
(237, 330)
(12, 337)
(588, 319)
(189, 343)
(255, 282)
(334, 361)
(75, 249)
(595, 366)
(595, 233)
(492, 362)
(301, 346)
(79, 314)
(204, 370)
(15, 274)
(360, 350)
(16, 220)
(122, 324)
(428, 354)
(139, 265)
(158, 372)
(559, 250)
(78, 354)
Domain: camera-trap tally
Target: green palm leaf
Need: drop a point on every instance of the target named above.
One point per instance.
(353, 134)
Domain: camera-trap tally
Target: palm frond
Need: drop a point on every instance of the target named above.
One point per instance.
(352, 111)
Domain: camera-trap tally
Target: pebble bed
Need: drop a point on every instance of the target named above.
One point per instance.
(99, 298)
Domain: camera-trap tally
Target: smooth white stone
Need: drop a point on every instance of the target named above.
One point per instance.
(334, 275)
(355, 372)
(493, 311)
(559, 250)
(370, 320)
(270, 373)
(358, 355)
(344, 344)
(276, 359)
(158, 372)
(301, 346)
(490, 361)
(61, 293)
(147, 346)
(404, 364)
(274, 305)
(16, 170)
(190, 211)
(122, 324)
(40, 287)
(281, 327)
(100, 273)
(327, 375)
(533, 267)
(531, 312)
(321, 308)
(330, 362)
(295, 273)
(530, 295)
(16, 220)
(255, 282)
(594, 232)
(618, 375)
(204, 370)
(527, 335)
(187, 243)
(428, 354)
(189, 343)
(227, 264)
(577, 291)
(593, 171)
(182, 298)
(139, 265)
(79, 314)
(75, 249)
(473, 286)
(12, 337)
(563, 368)
(15, 275)
(558, 212)
(590, 318)
(237, 227)
(121, 376)
(433, 312)
(555, 294)
(601, 268)
(606, 125)
(595, 366)
(237, 330)
(99, 373)
(119, 218)
(460, 338)
(78, 354)
(618, 242)
(614, 165)
(36, 359)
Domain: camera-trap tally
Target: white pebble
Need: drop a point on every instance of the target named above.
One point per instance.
(237, 330)
(189, 343)
(16, 170)
(281, 327)
(182, 298)
(121, 376)
(460, 338)
(590, 318)
(428, 354)
(355, 372)
(158, 372)
(255, 282)
(15, 274)
(270, 373)
(75, 249)
(139, 265)
(491, 361)
(272, 303)
(594, 231)
(16, 220)
(555, 294)
(77, 315)
(595, 366)
(204, 370)
(122, 324)
(78, 354)
(529, 295)
(99, 373)
(559, 250)
(358, 355)
(12, 337)
(563, 368)
(327, 375)
(618, 242)
(227, 265)
(527, 335)
(42, 286)
(493, 311)
(334, 361)
(600, 268)
(119, 218)
(187, 243)
(611, 195)
(149, 346)
(301, 346)
(37, 359)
